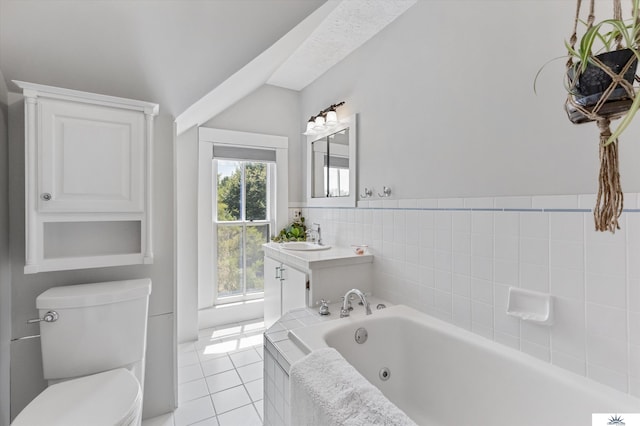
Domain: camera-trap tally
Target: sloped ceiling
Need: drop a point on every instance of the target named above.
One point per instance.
(346, 28)
(167, 51)
(316, 44)
(193, 57)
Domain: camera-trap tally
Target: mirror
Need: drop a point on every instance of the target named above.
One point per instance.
(331, 166)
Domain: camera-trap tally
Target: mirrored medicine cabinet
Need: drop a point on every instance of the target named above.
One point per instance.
(331, 166)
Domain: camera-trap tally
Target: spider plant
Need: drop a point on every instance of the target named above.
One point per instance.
(607, 33)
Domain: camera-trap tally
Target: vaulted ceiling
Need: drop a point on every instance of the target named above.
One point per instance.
(168, 51)
(193, 57)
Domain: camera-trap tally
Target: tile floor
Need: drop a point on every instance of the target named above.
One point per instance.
(220, 378)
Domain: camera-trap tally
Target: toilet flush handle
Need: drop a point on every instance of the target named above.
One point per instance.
(51, 316)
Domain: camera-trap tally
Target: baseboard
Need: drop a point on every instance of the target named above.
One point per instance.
(230, 313)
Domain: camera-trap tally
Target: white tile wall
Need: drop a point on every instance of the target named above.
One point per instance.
(456, 258)
(276, 385)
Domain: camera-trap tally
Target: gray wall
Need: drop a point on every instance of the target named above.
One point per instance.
(272, 111)
(186, 177)
(268, 110)
(447, 109)
(26, 374)
(5, 264)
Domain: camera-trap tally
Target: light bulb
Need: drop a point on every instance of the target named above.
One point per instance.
(319, 123)
(310, 125)
(332, 118)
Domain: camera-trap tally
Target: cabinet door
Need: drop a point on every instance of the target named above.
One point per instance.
(90, 158)
(272, 292)
(294, 289)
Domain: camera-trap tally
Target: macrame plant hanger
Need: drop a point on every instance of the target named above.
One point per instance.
(609, 201)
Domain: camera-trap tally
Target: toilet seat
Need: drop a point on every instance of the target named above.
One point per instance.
(110, 398)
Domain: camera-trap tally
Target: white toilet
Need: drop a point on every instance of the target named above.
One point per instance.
(93, 353)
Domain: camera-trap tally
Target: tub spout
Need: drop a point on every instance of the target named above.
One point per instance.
(344, 312)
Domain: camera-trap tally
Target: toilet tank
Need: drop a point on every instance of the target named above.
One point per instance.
(100, 327)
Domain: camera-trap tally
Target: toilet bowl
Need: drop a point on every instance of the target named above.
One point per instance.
(93, 355)
(104, 399)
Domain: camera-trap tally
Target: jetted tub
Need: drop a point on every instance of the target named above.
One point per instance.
(441, 375)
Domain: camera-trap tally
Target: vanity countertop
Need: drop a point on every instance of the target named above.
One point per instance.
(335, 256)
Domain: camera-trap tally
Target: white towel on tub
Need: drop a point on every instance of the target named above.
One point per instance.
(327, 390)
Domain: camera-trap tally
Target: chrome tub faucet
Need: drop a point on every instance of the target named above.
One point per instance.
(344, 312)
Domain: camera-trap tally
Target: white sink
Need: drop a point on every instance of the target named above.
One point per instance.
(304, 246)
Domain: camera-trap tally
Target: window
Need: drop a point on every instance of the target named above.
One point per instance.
(242, 223)
(250, 171)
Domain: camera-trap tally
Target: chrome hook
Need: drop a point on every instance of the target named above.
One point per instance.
(386, 192)
(367, 193)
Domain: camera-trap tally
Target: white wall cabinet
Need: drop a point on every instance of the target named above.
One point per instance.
(285, 288)
(88, 176)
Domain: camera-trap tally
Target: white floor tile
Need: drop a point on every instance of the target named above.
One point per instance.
(255, 389)
(206, 332)
(251, 372)
(216, 365)
(243, 358)
(260, 409)
(205, 354)
(222, 381)
(230, 399)
(187, 358)
(162, 420)
(189, 373)
(186, 347)
(211, 374)
(245, 416)
(218, 347)
(252, 326)
(192, 390)
(194, 411)
(211, 421)
(250, 341)
(233, 330)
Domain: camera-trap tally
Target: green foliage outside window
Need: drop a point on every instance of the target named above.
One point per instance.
(231, 271)
(230, 195)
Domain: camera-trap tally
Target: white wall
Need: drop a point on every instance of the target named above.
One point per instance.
(455, 259)
(446, 109)
(269, 110)
(5, 263)
(26, 375)
(446, 104)
(186, 152)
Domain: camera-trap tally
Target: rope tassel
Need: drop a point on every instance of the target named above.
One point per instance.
(610, 197)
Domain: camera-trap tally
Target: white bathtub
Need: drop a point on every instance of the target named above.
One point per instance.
(444, 375)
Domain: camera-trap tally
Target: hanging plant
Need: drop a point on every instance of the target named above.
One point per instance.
(600, 77)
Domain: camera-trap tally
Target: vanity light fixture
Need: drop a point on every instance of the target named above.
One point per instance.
(326, 119)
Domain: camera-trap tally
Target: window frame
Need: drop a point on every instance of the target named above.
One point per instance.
(207, 137)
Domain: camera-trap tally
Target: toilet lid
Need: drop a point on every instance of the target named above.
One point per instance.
(110, 398)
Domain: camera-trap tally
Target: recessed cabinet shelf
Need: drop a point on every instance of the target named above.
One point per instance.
(88, 175)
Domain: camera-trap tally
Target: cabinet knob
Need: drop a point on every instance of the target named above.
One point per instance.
(46, 196)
